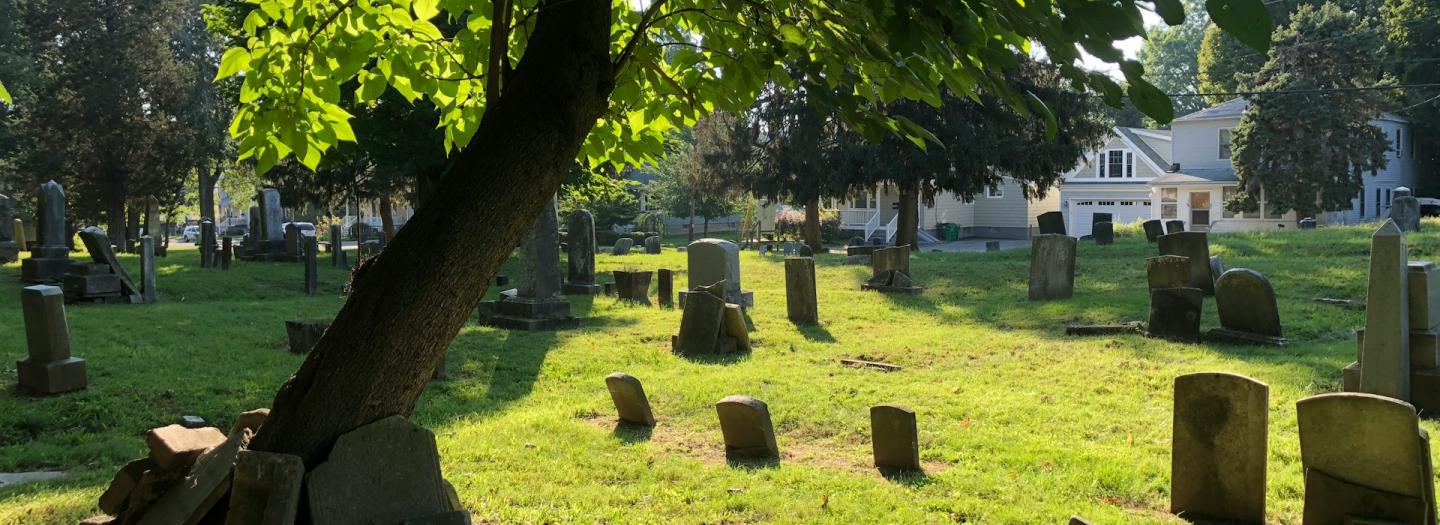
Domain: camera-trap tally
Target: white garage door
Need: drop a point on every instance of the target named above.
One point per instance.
(1122, 212)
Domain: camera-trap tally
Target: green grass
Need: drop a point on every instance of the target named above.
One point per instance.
(1018, 423)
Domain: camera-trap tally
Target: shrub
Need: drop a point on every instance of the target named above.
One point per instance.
(790, 224)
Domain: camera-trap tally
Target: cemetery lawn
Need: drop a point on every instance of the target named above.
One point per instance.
(1018, 423)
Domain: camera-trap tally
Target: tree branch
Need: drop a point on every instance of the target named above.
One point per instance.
(640, 29)
(499, 48)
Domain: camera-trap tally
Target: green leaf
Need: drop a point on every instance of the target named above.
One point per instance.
(792, 34)
(1052, 126)
(372, 85)
(1151, 101)
(232, 62)
(1172, 11)
(426, 9)
(5, 95)
(1247, 20)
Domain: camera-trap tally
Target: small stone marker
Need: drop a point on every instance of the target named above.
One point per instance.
(1051, 223)
(147, 269)
(745, 423)
(337, 248)
(1365, 457)
(302, 335)
(1218, 451)
(806, 251)
(49, 369)
(622, 246)
(890, 271)
(1174, 226)
(1052, 267)
(192, 422)
(1196, 247)
(204, 485)
(580, 252)
(895, 438)
(312, 267)
(632, 286)
(265, 489)
(666, 287)
(629, 398)
(800, 303)
(1153, 229)
(1167, 271)
(383, 472)
(19, 229)
(175, 447)
(1175, 313)
(1103, 232)
(1248, 311)
(1385, 359)
(652, 244)
(1405, 210)
(227, 250)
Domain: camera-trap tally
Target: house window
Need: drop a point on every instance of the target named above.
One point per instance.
(1169, 206)
(995, 192)
(1377, 202)
(1127, 203)
(1399, 148)
(1225, 195)
(1224, 151)
(1129, 164)
(1085, 203)
(1118, 163)
(1145, 203)
(1361, 207)
(1387, 197)
(1106, 203)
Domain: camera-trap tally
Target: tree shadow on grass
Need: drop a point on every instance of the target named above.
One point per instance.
(632, 433)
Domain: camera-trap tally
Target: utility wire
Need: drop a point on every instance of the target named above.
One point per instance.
(1304, 91)
(1417, 104)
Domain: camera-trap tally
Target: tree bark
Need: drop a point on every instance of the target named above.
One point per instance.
(115, 221)
(408, 303)
(387, 218)
(690, 231)
(909, 220)
(207, 175)
(812, 225)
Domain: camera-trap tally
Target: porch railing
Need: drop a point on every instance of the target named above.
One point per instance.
(856, 218)
(890, 228)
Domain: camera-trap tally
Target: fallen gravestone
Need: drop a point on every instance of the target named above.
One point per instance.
(1366, 460)
(712, 326)
(1153, 229)
(745, 423)
(801, 305)
(580, 254)
(49, 367)
(1103, 232)
(632, 286)
(383, 472)
(1248, 311)
(103, 279)
(629, 397)
(714, 260)
(1218, 447)
(890, 272)
(207, 481)
(51, 257)
(1052, 267)
(622, 246)
(265, 489)
(302, 335)
(895, 438)
(1175, 313)
(1051, 223)
(1196, 247)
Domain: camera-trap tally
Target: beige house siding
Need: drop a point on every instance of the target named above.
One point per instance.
(1009, 211)
(948, 209)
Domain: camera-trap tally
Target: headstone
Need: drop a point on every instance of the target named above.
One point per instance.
(806, 251)
(383, 472)
(1153, 229)
(890, 271)
(1052, 267)
(629, 398)
(790, 248)
(1218, 447)
(1167, 271)
(622, 246)
(1217, 266)
(265, 489)
(580, 251)
(203, 486)
(666, 287)
(1175, 313)
(294, 243)
(1051, 223)
(49, 260)
(1103, 232)
(337, 248)
(800, 302)
(9, 248)
(1097, 218)
(1405, 210)
(19, 228)
(538, 303)
(652, 244)
(992, 246)
(1385, 358)
(254, 234)
(227, 250)
(745, 423)
(895, 438)
(1248, 311)
(302, 335)
(1365, 458)
(175, 448)
(701, 325)
(312, 266)
(152, 226)
(104, 279)
(147, 269)
(632, 286)
(1174, 226)
(1308, 223)
(127, 241)
(715, 260)
(1423, 283)
(1195, 246)
(207, 244)
(272, 226)
(49, 369)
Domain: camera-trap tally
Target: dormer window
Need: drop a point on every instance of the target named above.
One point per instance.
(1116, 164)
(1224, 151)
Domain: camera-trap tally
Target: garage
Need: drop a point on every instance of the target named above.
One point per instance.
(1081, 212)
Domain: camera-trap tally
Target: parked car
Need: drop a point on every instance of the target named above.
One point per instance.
(237, 230)
(304, 227)
(191, 233)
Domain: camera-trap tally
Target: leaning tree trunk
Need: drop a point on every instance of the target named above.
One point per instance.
(387, 218)
(404, 311)
(909, 220)
(812, 224)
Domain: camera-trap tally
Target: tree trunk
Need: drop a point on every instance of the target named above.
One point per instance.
(207, 175)
(812, 225)
(115, 221)
(909, 220)
(387, 218)
(408, 303)
(707, 226)
(691, 229)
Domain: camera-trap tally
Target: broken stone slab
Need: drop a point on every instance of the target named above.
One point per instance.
(629, 398)
(175, 447)
(1132, 327)
(207, 482)
(1218, 450)
(1365, 456)
(266, 489)
(895, 438)
(112, 501)
(860, 363)
(383, 472)
(1167, 271)
(701, 322)
(745, 423)
(736, 328)
(251, 420)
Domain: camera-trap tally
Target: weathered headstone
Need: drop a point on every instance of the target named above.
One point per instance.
(1174, 226)
(383, 472)
(49, 260)
(294, 243)
(1385, 358)
(1052, 267)
(580, 251)
(1405, 210)
(745, 423)
(895, 438)
(538, 303)
(1103, 232)
(1196, 247)
(18, 226)
(890, 271)
(712, 261)
(1097, 218)
(1423, 283)
(151, 225)
(702, 325)
(104, 279)
(629, 397)
(1248, 311)
(49, 369)
(806, 251)
(1153, 229)
(1218, 447)
(147, 269)
(227, 251)
(265, 489)
(652, 244)
(312, 265)
(800, 302)
(622, 246)
(207, 481)
(253, 234)
(9, 249)
(1167, 271)
(272, 226)
(1051, 223)
(207, 244)
(1175, 313)
(1365, 458)
(665, 289)
(992, 246)
(632, 286)
(126, 243)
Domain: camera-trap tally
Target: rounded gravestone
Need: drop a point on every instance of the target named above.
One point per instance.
(745, 423)
(1246, 302)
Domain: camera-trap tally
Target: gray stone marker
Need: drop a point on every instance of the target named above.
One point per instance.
(622, 246)
(147, 269)
(890, 272)
(1153, 229)
(745, 423)
(715, 260)
(992, 246)
(294, 243)
(1365, 458)
(1217, 266)
(253, 234)
(1423, 283)
(665, 289)
(19, 228)
(207, 244)
(806, 251)
(1103, 232)
(895, 438)
(1196, 246)
(265, 489)
(227, 250)
(1405, 210)
(1385, 358)
(1167, 271)
(1174, 226)
(652, 244)
(151, 225)
(1248, 311)
(632, 286)
(580, 252)
(538, 303)
(383, 472)
(702, 325)
(302, 334)
(1097, 218)
(9, 248)
(104, 279)
(272, 225)
(1052, 267)
(1051, 223)
(801, 305)
(1218, 451)
(312, 266)
(1175, 313)
(49, 369)
(49, 260)
(629, 398)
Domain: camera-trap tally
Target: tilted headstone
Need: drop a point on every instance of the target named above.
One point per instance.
(49, 369)
(895, 438)
(745, 423)
(1103, 232)
(1405, 210)
(665, 289)
(1175, 313)
(1097, 218)
(1051, 223)
(715, 260)
(104, 279)
(147, 269)
(9, 248)
(1174, 226)
(800, 302)
(1248, 311)
(1153, 229)
(265, 489)
(652, 244)
(1052, 267)
(538, 303)
(701, 325)
(1365, 458)
(632, 286)
(1167, 271)
(890, 271)
(1218, 447)
(629, 397)
(1195, 246)
(1385, 358)
(622, 246)
(49, 260)
(312, 265)
(383, 472)
(580, 252)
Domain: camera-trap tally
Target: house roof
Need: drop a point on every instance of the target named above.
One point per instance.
(1157, 161)
(1195, 176)
(1229, 109)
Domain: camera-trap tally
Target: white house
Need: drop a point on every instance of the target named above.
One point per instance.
(1185, 173)
(1001, 212)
